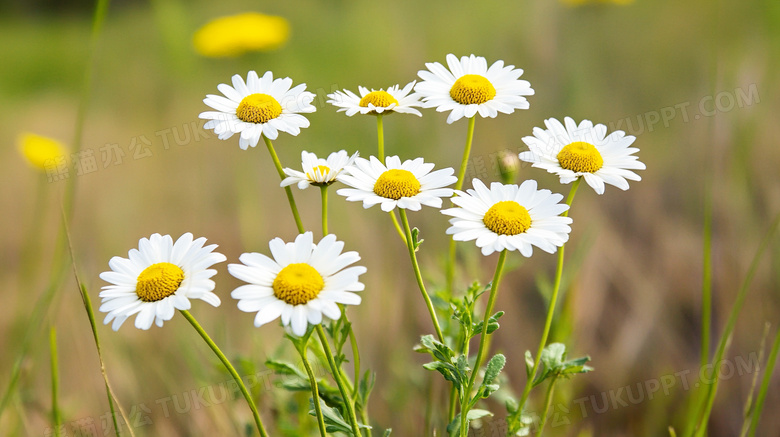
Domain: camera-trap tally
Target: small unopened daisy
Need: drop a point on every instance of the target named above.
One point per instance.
(301, 283)
(509, 217)
(407, 185)
(470, 87)
(377, 102)
(157, 278)
(318, 171)
(260, 106)
(584, 151)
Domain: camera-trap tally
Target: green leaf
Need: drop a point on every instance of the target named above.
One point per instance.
(285, 368)
(447, 370)
(416, 241)
(529, 364)
(334, 421)
(494, 367)
(463, 367)
(453, 428)
(492, 324)
(553, 355)
(439, 350)
(387, 432)
(365, 386)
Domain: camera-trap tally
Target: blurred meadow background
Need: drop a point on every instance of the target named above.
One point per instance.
(695, 82)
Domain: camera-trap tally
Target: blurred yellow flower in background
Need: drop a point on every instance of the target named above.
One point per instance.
(235, 35)
(39, 150)
(591, 2)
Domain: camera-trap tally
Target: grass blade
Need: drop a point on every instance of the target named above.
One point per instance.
(770, 368)
(709, 399)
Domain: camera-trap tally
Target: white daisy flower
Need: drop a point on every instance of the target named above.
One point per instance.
(509, 217)
(573, 151)
(407, 185)
(261, 106)
(157, 278)
(470, 87)
(377, 102)
(302, 283)
(318, 171)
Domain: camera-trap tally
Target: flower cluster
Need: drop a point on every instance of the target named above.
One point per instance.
(307, 284)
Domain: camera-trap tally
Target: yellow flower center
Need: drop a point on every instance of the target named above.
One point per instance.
(397, 183)
(380, 99)
(322, 168)
(580, 157)
(258, 108)
(158, 281)
(507, 218)
(298, 283)
(472, 89)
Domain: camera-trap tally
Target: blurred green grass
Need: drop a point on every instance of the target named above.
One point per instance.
(636, 305)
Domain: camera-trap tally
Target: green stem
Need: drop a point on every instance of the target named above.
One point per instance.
(324, 195)
(706, 283)
(55, 381)
(315, 393)
(547, 402)
(704, 415)
(483, 341)
(466, 153)
(484, 337)
(512, 420)
(337, 376)
(380, 133)
(397, 226)
(355, 360)
(280, 170)
(230, 368)
(768, 370)
(418, 276)
(450, 272)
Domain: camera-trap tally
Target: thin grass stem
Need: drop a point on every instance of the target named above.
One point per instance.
(55, 381)
(769, 370)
